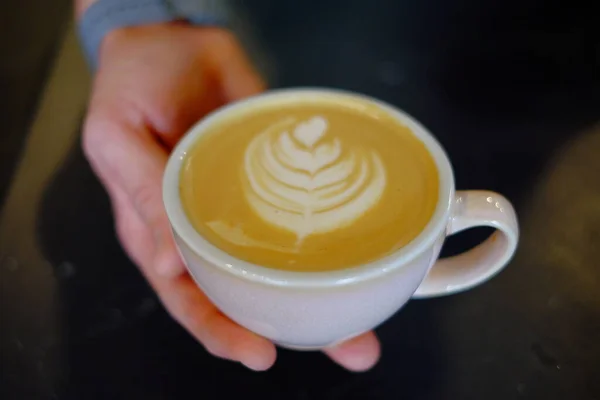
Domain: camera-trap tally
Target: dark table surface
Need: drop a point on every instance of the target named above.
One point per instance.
(512, 90)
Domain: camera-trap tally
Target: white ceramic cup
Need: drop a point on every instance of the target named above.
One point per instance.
(312, 310)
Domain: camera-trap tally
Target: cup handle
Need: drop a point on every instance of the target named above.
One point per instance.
(477, 265)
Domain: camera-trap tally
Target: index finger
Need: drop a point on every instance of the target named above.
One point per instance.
(131, 158)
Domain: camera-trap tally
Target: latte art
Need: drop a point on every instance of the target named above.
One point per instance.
(306, 181)
(309, 185)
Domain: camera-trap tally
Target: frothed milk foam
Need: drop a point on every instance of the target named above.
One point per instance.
(302, 182)
(309, 186)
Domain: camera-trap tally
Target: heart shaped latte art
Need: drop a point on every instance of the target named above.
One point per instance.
(310, 181)
(310, 132)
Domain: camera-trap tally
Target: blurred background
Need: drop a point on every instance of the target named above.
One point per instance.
(511, 89)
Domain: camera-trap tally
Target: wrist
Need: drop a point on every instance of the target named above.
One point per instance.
(123, 34)
(81, 6)
(99, 18)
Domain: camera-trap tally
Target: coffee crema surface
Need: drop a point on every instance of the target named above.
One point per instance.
(309, 186)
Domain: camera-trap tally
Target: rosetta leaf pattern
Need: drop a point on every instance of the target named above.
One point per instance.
(304, 179)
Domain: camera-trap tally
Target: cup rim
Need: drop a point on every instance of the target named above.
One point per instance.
(282, 278)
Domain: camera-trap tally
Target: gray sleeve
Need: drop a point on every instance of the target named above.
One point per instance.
(202, 12)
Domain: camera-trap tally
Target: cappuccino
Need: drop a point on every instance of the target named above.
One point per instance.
(309, 185)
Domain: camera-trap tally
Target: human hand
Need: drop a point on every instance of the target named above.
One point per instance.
(152, 84)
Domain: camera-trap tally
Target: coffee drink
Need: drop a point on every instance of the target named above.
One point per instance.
(309, 186)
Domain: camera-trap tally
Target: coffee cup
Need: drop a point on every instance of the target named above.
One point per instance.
(314, 309)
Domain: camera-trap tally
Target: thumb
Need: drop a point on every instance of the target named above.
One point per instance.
(133, 161)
